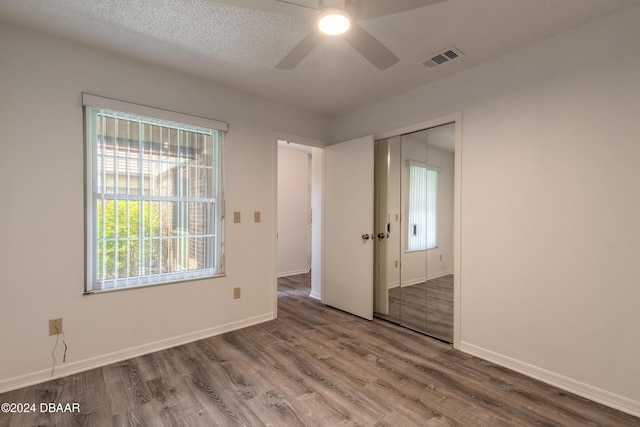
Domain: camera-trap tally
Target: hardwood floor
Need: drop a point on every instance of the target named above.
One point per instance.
(312, 366)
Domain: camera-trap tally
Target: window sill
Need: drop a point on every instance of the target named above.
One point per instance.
(151, 285)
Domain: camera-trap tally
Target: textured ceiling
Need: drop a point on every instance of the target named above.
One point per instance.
(239, 47)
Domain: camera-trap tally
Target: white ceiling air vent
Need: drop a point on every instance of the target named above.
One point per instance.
(442, 57)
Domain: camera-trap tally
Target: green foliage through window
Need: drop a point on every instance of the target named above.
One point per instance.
(129, 238)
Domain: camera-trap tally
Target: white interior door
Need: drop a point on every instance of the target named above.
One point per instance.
(348, 255)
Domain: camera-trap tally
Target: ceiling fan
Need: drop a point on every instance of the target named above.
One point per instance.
(336, 18)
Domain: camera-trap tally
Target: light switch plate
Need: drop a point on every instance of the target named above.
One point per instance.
(236, 217)
(256, 216)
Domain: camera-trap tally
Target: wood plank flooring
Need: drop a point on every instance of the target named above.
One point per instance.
(426, 307)
(313, 366)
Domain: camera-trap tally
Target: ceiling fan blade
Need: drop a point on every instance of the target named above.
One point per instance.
(273, 6)
(367, 9)
(300, 52)
(370, 47)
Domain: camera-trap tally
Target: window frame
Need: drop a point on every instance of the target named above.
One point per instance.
(428, 168)
(90, 101)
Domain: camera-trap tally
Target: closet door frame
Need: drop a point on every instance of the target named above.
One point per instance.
(457, 235)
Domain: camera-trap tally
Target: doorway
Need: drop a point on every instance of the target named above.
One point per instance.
(341, 217)
(414, 216)
(299, 207)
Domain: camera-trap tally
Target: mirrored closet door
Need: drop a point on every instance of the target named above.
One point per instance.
(414, 230)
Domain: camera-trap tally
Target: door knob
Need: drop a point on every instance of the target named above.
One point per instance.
(365, 237)
(381, 235)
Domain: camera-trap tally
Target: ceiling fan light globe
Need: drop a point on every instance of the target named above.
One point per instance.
(334, 22)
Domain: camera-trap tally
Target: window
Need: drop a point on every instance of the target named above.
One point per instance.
(422, 210)
(154, 203)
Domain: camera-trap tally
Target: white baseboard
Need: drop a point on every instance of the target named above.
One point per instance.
(294, 272)
(118, 356)
(392, 285)
(440, 274)
(315, 295)
(576, 387)
(419, 280)
(407, 283)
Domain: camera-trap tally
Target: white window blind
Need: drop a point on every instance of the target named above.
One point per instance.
(154, 195)
(422, 207)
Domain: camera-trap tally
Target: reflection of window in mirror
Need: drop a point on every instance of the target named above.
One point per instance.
(422, 206)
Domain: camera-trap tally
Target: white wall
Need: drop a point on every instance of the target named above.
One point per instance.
(294, 211)
(550, 236)
(41, 215)
(445, 161)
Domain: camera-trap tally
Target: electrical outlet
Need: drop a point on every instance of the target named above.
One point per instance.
(236, 217)
(55, 326)
(236, 293)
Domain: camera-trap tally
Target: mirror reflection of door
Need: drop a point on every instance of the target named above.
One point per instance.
(414, 220)
(387, 223)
